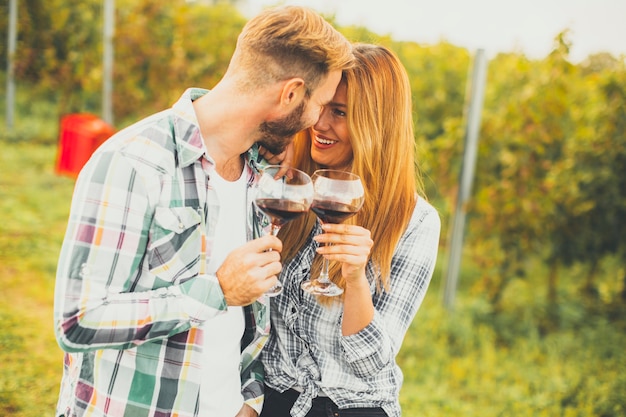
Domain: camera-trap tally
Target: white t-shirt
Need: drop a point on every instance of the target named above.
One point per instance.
(220, 392)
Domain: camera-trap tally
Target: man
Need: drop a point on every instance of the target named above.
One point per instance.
(159, 296)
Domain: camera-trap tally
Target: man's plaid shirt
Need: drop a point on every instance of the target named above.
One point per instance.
(131, 289)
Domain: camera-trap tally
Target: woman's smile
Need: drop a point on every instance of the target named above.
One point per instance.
(323, 141)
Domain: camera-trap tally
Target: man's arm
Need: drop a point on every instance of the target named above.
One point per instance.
(107, 295)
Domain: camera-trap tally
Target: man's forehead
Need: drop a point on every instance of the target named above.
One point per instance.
(328, 87)
(328, 100)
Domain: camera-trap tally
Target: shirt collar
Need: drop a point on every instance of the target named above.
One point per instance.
(189, 144)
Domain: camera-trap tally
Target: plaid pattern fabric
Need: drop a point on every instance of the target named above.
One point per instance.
(131, 289)
(306, 349)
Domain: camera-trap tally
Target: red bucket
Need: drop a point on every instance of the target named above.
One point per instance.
(79, 136)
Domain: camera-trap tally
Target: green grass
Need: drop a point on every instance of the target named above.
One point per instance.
(34, 204)
(36, 115)
(468, 362)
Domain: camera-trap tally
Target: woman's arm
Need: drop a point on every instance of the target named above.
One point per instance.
(374, 325)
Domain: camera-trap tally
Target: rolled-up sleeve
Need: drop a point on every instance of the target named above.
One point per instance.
(376, 346)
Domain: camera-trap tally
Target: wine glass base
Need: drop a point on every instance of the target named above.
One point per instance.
(274, 291)
(320, 288)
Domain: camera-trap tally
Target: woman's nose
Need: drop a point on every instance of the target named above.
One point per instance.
(323, 122)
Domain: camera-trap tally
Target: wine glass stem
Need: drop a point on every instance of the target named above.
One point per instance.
(323, 277)
(273, 231)
(276, 289)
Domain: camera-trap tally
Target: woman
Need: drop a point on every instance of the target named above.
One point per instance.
(336, 356)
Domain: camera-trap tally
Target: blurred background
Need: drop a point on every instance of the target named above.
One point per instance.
(536, 325)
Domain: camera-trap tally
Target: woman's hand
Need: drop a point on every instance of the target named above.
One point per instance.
(349, 244)
(284, 159)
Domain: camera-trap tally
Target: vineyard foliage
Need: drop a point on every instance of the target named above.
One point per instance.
(551, 173)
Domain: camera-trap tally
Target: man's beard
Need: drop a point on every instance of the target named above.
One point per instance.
(277, 134)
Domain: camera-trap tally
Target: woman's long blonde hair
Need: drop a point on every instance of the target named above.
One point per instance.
(380, 125)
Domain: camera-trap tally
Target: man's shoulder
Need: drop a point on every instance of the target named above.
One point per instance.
(149, 144)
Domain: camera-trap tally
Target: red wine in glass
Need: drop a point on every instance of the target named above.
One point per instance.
(281, 210)
(282, 198)
(338, 196)
(333, 211)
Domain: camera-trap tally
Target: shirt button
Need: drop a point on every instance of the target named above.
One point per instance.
(181, 226)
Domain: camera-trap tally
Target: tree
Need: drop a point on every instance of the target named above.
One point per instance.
(59, 49)
(164, 47)
(589, 192)
(526, 124)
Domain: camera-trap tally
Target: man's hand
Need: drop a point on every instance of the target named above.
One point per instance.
(250, 270)
(246, 411)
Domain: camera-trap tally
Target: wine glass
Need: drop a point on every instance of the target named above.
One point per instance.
(282, 199)
(338, 196)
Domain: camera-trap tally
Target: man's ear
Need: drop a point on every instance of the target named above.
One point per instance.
(293, 92)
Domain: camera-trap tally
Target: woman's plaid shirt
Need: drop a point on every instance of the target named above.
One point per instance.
(306, 348)
(131, 288)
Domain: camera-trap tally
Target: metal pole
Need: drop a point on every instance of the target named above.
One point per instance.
(11, 64)
(467, 175)
(107, 58)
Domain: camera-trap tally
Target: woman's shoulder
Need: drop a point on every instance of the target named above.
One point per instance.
(424, 211)
(421, 237)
